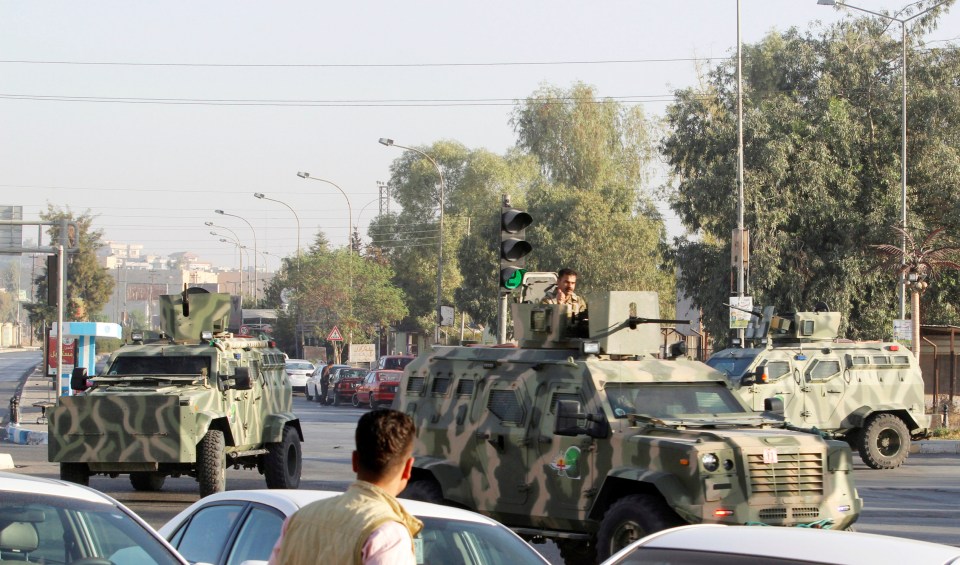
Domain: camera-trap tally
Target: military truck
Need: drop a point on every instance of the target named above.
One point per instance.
(581, 434)
(192, 402)
(870, 394)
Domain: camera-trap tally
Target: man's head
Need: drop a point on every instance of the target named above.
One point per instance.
(384, 446)
(566, 280)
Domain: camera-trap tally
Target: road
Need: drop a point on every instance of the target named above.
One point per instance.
(14, 367)
(920, 500)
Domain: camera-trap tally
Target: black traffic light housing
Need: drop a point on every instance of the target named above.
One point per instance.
(513, 247)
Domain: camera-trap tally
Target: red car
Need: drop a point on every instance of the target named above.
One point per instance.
(378, 387)
(344, 383)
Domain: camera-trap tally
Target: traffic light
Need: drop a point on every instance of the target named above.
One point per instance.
(513, 247)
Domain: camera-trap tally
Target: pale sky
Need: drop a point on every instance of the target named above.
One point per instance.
(251, 92)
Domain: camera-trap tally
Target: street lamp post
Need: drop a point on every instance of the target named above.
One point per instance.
(390, 143)
(306, 175)
(240, 255)
(256, 282)
(901, 284)
(236, 240)
(261, 196)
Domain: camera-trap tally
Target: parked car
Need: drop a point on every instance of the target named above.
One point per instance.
(394, 362)
(51, 521)
(344, 383)
(313, 382)
(242, 526)
(378, 387)
(712, 544)
(297, 371)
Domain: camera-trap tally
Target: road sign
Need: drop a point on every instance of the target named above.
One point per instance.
(334, 334)
(363, 353)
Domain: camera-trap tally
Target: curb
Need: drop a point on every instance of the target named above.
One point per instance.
(935, 446)
(23, 436)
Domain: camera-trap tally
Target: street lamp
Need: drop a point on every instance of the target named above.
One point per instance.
(903, 124)
(306, 175)
(391, 143)
(256, 282)
(240, 255)
(261, 196)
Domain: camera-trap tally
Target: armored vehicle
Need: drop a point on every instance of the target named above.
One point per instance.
(193, 402)
(583, 435)
(869, 393)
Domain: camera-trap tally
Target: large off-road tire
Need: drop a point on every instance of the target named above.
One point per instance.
(424, 490)
(355, 400)
(283, 461)
(147, 481)
(77, 473)
(211, 464)
(885, 442)
(576, 552)
(631, 518)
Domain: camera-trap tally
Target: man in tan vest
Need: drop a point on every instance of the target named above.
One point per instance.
(365, 525)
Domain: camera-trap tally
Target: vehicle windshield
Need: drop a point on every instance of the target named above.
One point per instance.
(733, 367)
(49, 529)
(396, 363)
(671, 400)
(157, 365)
(452, 541)
(353, 373)
(300, 366)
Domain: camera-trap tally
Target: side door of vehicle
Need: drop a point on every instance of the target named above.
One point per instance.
(779, 383)
(825, 385)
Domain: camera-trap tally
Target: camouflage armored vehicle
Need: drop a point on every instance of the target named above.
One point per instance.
(869, 393)
(594, 441)
(191, 403)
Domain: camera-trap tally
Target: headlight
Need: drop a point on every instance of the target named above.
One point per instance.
(710, 462)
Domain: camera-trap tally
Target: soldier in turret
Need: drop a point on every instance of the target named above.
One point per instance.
(563, 292)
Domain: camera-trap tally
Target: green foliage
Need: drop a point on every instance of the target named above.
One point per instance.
(88, 285)
(822, 169)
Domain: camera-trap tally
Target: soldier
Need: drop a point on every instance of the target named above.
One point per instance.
(564, 293)
(366, 524)
(324, 384)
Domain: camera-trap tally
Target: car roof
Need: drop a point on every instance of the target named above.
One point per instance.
(299, 361)
(13, 482)
(813, 545)
(289, 501)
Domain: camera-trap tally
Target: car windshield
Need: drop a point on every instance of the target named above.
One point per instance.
(452, 541)
(671, 400)
(396, 363)
(299, 367)
(733, 367)
(39, 528)
(157, 365)
(353, 373)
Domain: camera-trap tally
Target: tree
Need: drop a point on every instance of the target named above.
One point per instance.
(821, 168)
(88, 285)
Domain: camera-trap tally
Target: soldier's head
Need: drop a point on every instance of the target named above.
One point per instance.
(566, 280)
(384, 453)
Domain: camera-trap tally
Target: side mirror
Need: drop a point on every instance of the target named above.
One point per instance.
(571, 422)
(241, 379)
(78, 379)
(749, 379)
(774, 405)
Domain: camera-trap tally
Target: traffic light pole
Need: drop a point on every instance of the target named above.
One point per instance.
(513, 249)
(502, 318)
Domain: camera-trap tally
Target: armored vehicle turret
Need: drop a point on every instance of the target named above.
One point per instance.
(586, 434)
(191, 402)
(870, 394)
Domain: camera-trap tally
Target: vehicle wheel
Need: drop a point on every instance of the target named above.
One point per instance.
(631, 518)
(885, 442)
(77, 473)
(284, 461)
(211, 465)
(424, 490)
(576, 552)
(147, 481)
(336, 399)
(355, 401)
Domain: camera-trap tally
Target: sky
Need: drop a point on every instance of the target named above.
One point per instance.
(151, 115)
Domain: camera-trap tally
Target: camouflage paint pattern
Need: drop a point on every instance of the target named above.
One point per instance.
(486, 432)
(148, 411)
(833, 385)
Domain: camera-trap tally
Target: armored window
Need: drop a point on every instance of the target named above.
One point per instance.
(879, 360)
(505, 405)
(806, 327)
(859, 360)
(901, 360)
(415, 384)
(823, 370)
(777, 369)
(465, 387)
(440, 385)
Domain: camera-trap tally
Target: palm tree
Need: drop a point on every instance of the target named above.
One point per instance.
(916, 265)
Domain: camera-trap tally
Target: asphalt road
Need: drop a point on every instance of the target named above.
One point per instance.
(920, 500)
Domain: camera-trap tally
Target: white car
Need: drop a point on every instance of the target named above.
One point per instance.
(297, 372)
(51, 521)
(714, 544)
(240, 526)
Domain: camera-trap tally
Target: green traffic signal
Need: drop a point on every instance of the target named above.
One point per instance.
(511, 278)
